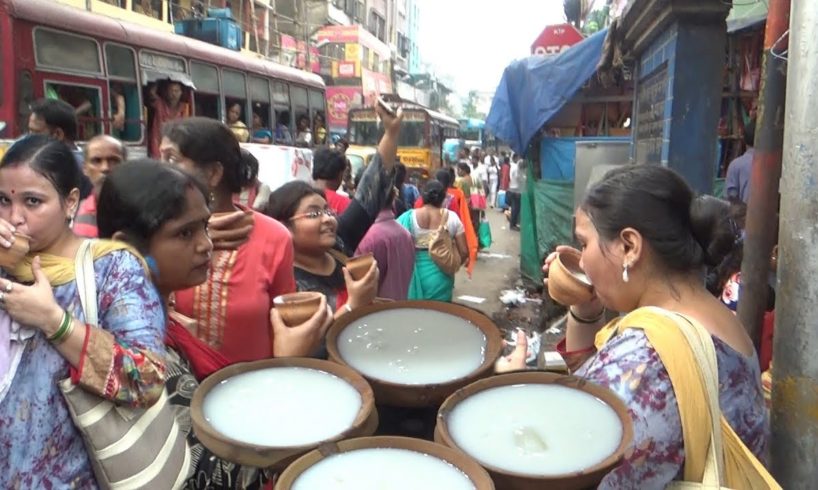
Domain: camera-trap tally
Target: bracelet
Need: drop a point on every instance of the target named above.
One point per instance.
(586, 321)
(62, 333)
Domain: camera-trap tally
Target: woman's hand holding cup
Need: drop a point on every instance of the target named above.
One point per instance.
(300, 340)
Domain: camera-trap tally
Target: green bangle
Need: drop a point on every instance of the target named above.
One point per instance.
(60, 335)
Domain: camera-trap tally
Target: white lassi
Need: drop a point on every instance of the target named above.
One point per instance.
(412, 346)
(282, 407)
(382, 469)
(535, 429)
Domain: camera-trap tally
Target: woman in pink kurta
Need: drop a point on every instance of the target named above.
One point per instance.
(253, 260)
(232, 308)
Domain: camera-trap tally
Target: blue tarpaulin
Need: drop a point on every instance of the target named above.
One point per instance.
(533, 89)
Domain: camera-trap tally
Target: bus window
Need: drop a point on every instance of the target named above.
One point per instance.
(413, 130)
(319, 125)
(283, 115)
(260, 102)
(300, 105)
(125, 107)
(25, 96)
(206, 79)
(86, 104)
(235, 88)
(235, 103)
(68, 52)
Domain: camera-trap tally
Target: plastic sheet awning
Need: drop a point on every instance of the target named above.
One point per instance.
(534, 89)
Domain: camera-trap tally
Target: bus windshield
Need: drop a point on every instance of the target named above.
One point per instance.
(365, 130)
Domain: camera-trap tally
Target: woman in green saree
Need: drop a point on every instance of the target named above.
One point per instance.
(429, 282)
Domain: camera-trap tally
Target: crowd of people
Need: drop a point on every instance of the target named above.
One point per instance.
(191, 251)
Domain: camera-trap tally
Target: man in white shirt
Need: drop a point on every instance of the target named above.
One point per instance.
(513, 193)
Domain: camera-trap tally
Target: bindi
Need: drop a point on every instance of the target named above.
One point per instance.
(13, 191)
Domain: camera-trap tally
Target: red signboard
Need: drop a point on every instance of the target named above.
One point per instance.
(556, 38)
(339, 101)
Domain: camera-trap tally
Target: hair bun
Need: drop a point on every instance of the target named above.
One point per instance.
(712, 227)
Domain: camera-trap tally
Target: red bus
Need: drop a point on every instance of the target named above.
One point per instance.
(50, 49)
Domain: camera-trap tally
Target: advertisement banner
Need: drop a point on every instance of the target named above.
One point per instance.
(278, 165)
(338, 34)
(352, 52)
(339, 101)
(375, 83)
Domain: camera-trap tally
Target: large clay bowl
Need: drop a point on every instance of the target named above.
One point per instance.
(277, 458)
(587, 478)
(468, 466)
(425, 395)
(564, 283)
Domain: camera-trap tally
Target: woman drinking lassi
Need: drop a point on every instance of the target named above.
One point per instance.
(645, 239)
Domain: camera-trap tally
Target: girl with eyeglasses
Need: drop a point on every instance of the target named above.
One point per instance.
(320, 237)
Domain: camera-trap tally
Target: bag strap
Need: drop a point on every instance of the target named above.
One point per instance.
(701, 344)
(444, 220)
(86, 282)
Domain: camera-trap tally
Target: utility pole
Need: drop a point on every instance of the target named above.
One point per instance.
(795, 370)
(765, 175)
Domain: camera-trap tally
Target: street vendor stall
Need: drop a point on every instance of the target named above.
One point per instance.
(555, 111)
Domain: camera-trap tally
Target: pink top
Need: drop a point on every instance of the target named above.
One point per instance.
(85, 223)
(232, 309)
(394, 249)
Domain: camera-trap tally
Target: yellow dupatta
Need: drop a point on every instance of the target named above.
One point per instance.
(61, 270)
(741, 470)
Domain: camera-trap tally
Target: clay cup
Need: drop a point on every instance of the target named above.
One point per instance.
(359, 266)
(297, 308)
(10, 257)
(567, 283)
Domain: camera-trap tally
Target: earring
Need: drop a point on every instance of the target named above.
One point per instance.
(625, 277)
(212, 197)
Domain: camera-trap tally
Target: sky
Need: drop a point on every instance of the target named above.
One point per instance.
(474, 40)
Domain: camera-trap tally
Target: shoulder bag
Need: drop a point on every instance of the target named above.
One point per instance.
(442, 248)
(129, 448)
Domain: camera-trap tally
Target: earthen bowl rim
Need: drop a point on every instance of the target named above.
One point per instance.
(571, 273)
(350, 376)
(607, 396)
(306, 297)
(453, 456)
(489, 358)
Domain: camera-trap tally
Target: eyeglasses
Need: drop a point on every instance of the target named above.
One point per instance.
(315, 214)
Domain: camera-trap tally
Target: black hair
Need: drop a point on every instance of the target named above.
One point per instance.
(48, 157)
(434, 193)
(464, 167)
(685, 232)
(444, 176)
(285, 200)
(400, 174)
(140, 196)
(328, 163)
(251, 162)
(750, 133)
(57, 114)
(206, 141)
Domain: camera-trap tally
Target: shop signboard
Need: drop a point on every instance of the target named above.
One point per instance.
(339, 101)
